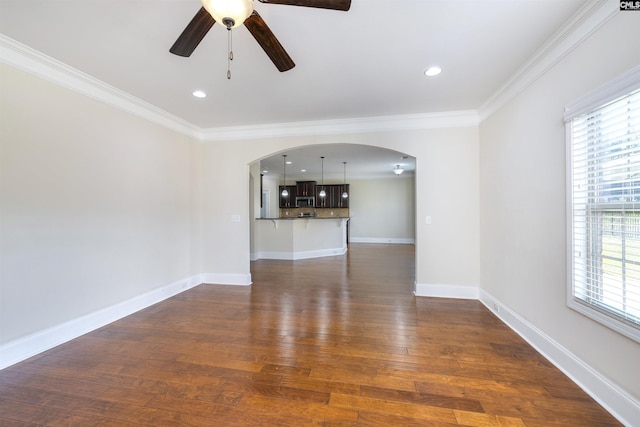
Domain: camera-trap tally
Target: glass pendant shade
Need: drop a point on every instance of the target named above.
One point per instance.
(322, 193)
(237, 10)
(285, 193)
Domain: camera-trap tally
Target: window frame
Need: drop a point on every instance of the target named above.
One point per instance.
(619, 87)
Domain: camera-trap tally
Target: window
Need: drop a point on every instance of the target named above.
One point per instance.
(604, 208)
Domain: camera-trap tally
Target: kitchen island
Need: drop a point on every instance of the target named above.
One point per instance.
(292, 238)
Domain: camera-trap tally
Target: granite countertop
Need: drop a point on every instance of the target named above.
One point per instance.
(304, 217)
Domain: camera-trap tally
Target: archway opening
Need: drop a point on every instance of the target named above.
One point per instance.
(381, 203)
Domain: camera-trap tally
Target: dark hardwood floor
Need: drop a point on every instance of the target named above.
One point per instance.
(336, 341)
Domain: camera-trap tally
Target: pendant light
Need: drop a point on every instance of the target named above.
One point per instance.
(344, 193)
(284, 193)
(322, 192)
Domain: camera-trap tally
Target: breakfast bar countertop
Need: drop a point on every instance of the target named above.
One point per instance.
(303, 217)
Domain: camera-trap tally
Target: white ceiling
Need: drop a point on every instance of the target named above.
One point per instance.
(367, 62)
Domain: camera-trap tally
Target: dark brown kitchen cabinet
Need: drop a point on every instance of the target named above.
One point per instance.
(341, 202)
(288, 201)
(322, 202)
(305, 188)
(333, 198)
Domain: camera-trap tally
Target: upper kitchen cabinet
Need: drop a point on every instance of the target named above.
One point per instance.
(305, 188)
(333, 197)
(288, 201)
(322, 202)
(339, 201)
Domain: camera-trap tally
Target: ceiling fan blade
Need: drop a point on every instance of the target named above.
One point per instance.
(269, 43)
(322, 4)
(193, 34)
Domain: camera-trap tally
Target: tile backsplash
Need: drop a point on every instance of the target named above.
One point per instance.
(319, 212)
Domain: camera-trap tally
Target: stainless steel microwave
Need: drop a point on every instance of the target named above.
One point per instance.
(305, 202)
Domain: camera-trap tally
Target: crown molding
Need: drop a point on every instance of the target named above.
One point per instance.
(29, 60)
(345, 126)
(582, 25)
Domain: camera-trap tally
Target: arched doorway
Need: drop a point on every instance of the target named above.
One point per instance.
(382, 203)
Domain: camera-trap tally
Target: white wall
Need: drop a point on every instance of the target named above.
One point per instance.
(523, 230)
(382, 210)
(97, 206)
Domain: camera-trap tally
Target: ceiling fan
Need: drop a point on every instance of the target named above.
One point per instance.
(233, 13)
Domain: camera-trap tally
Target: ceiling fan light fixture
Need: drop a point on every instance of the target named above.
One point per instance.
(398, 170)
(231, 13)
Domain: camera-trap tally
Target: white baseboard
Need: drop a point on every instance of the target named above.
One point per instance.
(392, 240)
(447, 291)
(614, 399)
(292, 256)
(30, 345)
(227, 279)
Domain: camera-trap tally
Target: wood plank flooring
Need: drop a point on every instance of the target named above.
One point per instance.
(337, 341)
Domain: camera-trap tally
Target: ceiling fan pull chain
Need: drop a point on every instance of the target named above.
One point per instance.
(230, 50)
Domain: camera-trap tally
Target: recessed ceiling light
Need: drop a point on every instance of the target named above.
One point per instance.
(303, 170)
(199, 94)
(265, 171)
(288, 162)
(433, 71)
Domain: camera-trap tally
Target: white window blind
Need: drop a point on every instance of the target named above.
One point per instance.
(605, 213)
